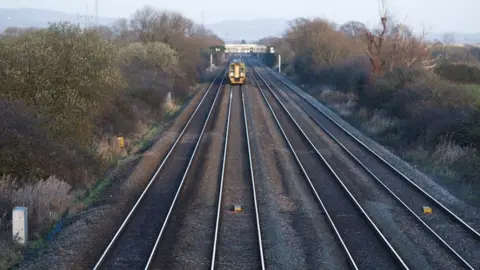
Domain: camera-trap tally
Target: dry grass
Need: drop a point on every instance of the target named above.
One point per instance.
(108, 148)
(442, 158)
(9, 254)
(343, 103)
(448, 153)
(378, 123)
(445, 153)
(46, 199)
(171, 107)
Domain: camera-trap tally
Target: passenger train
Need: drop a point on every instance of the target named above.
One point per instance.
(237, 71)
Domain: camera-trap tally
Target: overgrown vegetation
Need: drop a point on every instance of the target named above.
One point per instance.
(396, 86)
(67, 92)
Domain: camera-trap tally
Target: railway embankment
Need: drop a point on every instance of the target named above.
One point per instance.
(85, 235)
(80, 118)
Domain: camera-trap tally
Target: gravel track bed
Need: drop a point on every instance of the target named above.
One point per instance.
(365, 246)
(132, 249)
(464, 242)
(414, 243)
(188, 238)
(294, 230)
(237, 244)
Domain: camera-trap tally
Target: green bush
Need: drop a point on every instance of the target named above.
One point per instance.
(150, 71)
(65, 73)
(28, 152)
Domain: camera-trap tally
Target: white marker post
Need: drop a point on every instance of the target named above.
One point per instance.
(168, 98)
(279, 64)
(20, 224)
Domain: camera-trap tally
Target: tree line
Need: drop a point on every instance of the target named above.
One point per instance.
(73, 85)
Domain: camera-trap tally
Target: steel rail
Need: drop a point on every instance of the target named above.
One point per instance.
(222, 177)
(357, 204)
(389, 165)
(259, 231)
(152, 180)
(438, 237)
(167, 219)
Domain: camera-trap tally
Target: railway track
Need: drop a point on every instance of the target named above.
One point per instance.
(295, 233)
(363, 243)
(179, 201)
(187, 239)
(135, 243)
(238, 238)
(197, 237)
(459, 240)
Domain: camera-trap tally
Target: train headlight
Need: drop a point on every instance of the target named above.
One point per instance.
(231, 74)
(242, 74)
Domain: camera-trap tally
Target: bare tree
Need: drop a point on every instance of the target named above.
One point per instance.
(353, 29)
(409, 50)
(395, 45)
(375, 40)
(121, 30)
(268, 40)
(143, 23)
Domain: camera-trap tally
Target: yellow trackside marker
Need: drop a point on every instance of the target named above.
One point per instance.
(121, 142)
(237, 208)
(427, 210)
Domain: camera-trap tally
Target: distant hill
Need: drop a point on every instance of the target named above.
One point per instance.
(230, 30)
(249, 30)
(253, 30)
(39, 18)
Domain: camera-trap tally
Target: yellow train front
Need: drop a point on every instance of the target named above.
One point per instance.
(237, 72)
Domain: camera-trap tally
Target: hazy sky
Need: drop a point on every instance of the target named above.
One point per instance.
(436, 15)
